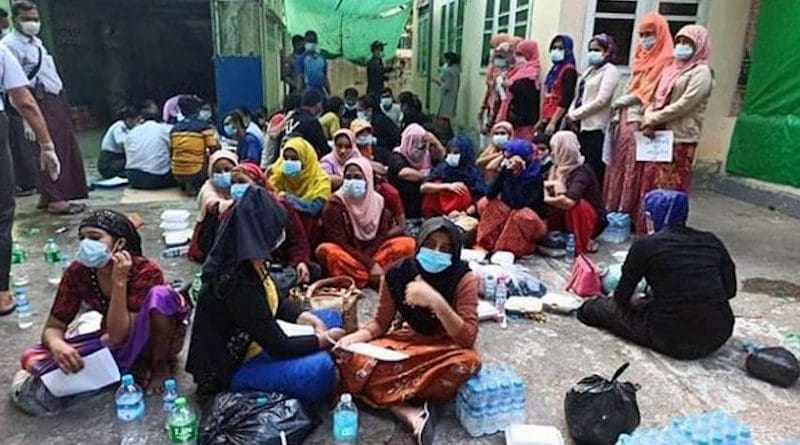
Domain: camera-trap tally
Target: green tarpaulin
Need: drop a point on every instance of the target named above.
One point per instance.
(347, 27)
(766, 140)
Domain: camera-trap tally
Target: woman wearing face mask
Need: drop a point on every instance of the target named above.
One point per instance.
(437, 297)
(213, 200)
(344, 149)
(510, 213)
(248, 147)
(143, 320)
(455, 185)
(237, 343)
(622, 183)
(501, 59)
(492, 156)
(573, 193)
(520, 105)
(679, 105)
(559, 84)
(361, 234)
(410, 165)
(591, 109)
(690, 278)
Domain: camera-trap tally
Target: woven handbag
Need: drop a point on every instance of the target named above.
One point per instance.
(338, 293)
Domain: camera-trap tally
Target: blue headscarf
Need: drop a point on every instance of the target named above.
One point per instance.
(524, 149)
(569, 59)
(667, 208)
(466, 171)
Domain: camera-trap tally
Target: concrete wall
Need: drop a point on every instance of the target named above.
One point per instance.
(727, 22)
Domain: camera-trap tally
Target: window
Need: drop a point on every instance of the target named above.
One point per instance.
(504, 16)
(451, 27)
(619, 18)
(424, 37)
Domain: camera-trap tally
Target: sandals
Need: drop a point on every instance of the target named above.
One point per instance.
(9, 311)
(427, 433)
(71, 209)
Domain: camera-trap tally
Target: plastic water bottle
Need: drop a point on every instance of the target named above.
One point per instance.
(24, 317)
(197, 284)
(345, 421)
(490, 286)
(175, 252)
(130, 410)
(18, 254)
(500, 297)
(570, 248)
(170, 396)
(183, 423)
(52, 256)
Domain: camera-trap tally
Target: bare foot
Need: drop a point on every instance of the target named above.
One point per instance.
(6, 302)
(155, 383)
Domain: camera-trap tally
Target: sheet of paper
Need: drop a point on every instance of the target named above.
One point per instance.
(486, 310)
(376, 352)
(111, 182)
(295, 330)
(99, 370)
(658, 149)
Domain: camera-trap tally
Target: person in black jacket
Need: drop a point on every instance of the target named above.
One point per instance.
(305, 123)
(691, 277)
(376, 72)
(384, 130)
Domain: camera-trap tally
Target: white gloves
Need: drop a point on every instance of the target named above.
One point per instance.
(48, 160)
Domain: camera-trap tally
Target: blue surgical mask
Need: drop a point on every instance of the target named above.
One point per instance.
(453, 159)
(204, 115)
(433, 261)
(556, 55)
(311, 47)
(500, 62)
(355, 188)
(238, 190)
(292, 168)
(366, 139)
(500, 139)
(221, 180)
(92, 253)
(230, 130)
(683, 52)
(595, 57)
(648, 42)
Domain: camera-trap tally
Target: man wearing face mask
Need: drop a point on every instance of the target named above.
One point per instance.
(47, 87)
(376, 72)
(248, 148)
(314, 66)
(390, 108)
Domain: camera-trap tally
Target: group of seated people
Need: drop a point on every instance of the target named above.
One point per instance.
(341, 211)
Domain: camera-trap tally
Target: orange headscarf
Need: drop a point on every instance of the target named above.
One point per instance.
(648, 64)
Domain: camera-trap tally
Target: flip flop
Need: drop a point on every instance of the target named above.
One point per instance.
(9, 311)
(71, 209)
(427, 433)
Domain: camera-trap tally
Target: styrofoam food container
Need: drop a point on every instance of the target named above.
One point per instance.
(175, 215)
(503, 258)
(533, 435)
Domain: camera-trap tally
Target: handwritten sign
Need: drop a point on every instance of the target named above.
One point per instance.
(657, 149)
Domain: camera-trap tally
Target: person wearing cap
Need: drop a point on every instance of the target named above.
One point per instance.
(376, 72)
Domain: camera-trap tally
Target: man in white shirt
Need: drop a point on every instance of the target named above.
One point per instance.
(111, 161)
(43, 79)
(147, 155)
(14, 82)
(250, 126)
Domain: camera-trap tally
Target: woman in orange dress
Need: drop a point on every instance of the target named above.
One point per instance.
(437, 297)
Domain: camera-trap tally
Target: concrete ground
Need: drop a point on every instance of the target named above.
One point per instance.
(551, 356)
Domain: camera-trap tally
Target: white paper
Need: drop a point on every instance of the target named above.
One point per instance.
(111, 182)
(658, 149)
(376, 352)
(486, 310)
(533, 435)
(295, 330)
(99, 370)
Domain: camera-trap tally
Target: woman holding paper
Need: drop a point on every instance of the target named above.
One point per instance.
(237, 343)
(143, 320)
(437, 297)
(679, 106)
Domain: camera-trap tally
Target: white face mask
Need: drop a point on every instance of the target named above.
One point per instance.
(204, 115)
(683, 51)
(30, 28)
(453, 159)
(648, 42)
(556, 55)
(386, 103)
(500, 139)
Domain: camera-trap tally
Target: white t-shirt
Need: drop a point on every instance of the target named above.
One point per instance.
(115, 137)
(11, 73)
(255, 130)
(147, 148)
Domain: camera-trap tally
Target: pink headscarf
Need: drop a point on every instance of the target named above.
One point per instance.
(331, 161)
(413, 137)
(702, 52)
(531, 69)
(365, 213)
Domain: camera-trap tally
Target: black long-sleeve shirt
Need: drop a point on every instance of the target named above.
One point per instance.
(306, 125)
(681, 265)
(517, 193)
(524, 109)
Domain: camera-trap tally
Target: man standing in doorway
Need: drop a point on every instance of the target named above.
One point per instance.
(315, 67)
(376, 72)
(15, 83)
(47, 88)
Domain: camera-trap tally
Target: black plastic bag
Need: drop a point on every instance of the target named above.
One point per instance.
(774, 365)
(599, 410)
(255, 418)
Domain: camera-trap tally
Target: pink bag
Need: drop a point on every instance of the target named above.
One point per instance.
(585, 279)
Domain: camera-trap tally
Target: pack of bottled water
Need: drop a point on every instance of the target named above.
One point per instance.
(618, 230)
(491, 401)
(708, 428)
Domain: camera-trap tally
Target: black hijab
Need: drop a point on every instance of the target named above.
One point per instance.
(421, 319)
(250, 232)
(118, 226)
